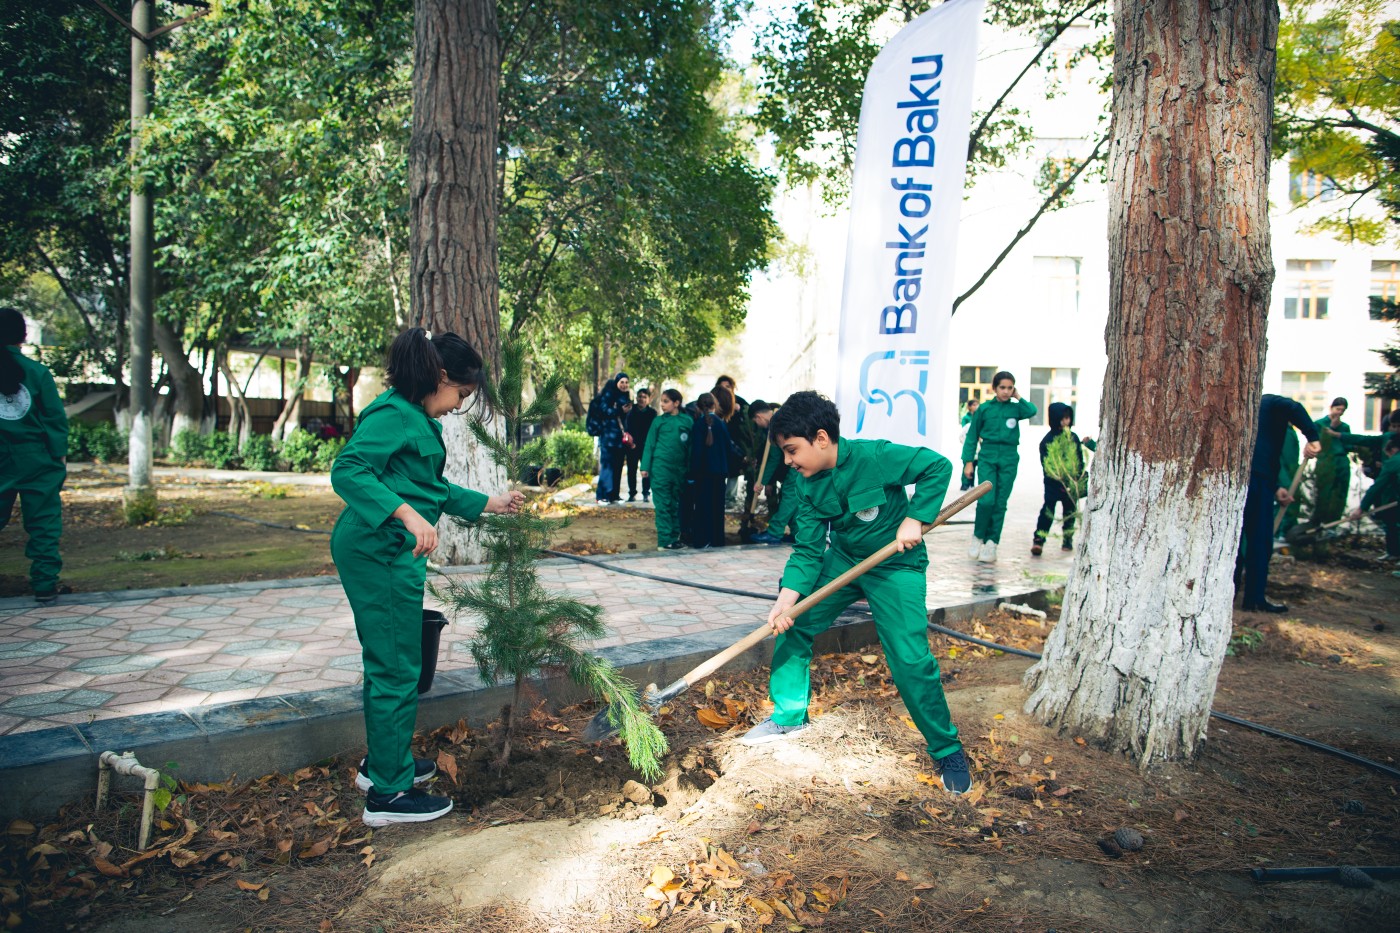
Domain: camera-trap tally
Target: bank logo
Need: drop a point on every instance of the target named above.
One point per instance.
(15, 407)
(890, 378)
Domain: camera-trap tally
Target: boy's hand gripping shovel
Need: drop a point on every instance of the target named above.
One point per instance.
(600, 726)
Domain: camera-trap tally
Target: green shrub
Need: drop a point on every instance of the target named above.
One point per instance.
(188, 447)
(299, 450)
(327, 452)
(571, 451)
(100, 442)
(221, 451)
(259, 453)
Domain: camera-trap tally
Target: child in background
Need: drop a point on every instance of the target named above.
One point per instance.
(965, 420)
(1332, 475)
(996, 428)
(665, 457)
(639, 421)
(710, 449)
(390, 476)
(855, 488)
(1386, 491)
(760, 413)
(1066, 476)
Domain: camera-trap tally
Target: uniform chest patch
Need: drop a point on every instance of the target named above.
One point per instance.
(1011, 422)
(15, 407)
(684, 436)
(868, 515)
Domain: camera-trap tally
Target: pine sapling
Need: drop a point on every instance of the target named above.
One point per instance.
(1064, 463)
(526, 630)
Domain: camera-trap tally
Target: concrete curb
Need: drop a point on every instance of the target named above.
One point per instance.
(47, 768)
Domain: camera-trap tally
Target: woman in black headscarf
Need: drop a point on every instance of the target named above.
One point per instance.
(615, 402)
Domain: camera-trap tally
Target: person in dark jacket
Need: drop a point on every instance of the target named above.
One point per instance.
(1066, 476)
(639, 421)
(1276, 413)
(710, 450)
(614, 401)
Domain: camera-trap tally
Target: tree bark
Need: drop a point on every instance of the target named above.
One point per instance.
(453, 202)
(289, 418)
(1132, 665)
(576, 399)
(186, 381)
(240, 421)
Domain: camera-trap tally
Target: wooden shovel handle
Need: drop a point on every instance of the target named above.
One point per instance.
(762, 465)
(1293, 488)
(1343, 521)
(763, 631)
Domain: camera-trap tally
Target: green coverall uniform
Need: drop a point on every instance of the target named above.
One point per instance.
(1287, 466)
(862, 501)
(665, 457)
(394, 457)
(997, 425)
(1332, 474)
(33, 445)
(1384, 491)
(785, 515)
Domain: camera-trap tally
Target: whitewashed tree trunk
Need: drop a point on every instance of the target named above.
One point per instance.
(1146, 620)
(453, 202)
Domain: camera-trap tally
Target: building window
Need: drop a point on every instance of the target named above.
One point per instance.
(1048, 385)
(1378, 408)
(1307, 289)
(1307, 185)
(1385, 285)
(1057, 281)
(974, 382)
(1308, 389)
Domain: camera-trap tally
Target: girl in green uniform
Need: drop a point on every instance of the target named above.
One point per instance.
(390, 476)
(665, 456)
(33, 455)
(996, 426)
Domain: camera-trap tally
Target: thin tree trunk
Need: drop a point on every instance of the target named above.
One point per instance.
(508, 717)
(186, 382)
(289, 419)
(240, 422)
(1133, 662)
(576, 399)
(453, 198)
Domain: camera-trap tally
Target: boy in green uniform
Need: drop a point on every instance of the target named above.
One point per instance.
(852, 504)
(996, 425)
(1287, 467)
(1333, 471)
(665, 456)
(1385, 491)
(33, 455)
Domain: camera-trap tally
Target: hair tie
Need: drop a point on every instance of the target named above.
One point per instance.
(428, 335)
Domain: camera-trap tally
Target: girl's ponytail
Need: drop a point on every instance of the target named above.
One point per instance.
(414, 365)
(12, 332)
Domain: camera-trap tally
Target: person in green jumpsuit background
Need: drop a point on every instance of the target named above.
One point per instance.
(1383, 499)
(855, 490)
(1287, 467)
(996, 426)
(665, 457)
(782, 509)
(33, 457)
(390, 476)
(1332, 475)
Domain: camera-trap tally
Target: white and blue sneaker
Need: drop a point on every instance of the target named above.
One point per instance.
(424, 769)
(770, 731)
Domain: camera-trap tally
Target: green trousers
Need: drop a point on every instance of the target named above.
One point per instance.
(666, 500)
(1333, 480)
(384, 583)
(34, 476)
(896, 597)
(996, 463)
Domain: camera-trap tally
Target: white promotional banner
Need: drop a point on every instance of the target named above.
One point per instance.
(906, 198)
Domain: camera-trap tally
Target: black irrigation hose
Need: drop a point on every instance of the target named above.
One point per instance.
(1007, 649)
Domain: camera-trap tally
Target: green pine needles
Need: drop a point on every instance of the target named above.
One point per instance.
(526, 630)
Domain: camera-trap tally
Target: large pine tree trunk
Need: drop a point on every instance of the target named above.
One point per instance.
(454, 285)
(1133, 662)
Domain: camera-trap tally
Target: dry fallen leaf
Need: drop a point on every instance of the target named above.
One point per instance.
(316, 850)
(20, 828)
(901, 876)
(647, 921)
(1048, 759)
(712, 720)
(249, 885)
(1078, 740)
(447, 764)
(870, 658)
(107, 868)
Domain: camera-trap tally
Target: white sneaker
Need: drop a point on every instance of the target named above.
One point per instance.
(975, 550)
(988, 553)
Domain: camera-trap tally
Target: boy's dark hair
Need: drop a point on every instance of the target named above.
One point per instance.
(1394, 419)
(1002, 375)
(12, 333)
(1339, 401)
(415, 361)
(646, 392)
(1392, 444)
(758, 408)
(725, 379)
(672, 394)
(803, 415)
(706, 402)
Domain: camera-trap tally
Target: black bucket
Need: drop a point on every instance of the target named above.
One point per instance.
(433, 624)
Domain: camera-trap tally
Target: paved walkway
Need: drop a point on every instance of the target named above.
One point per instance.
(108, 655)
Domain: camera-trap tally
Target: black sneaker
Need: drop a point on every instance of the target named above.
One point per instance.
(410, 806)
(423, 769)
(674, 546)
(48, 596)
(955, 773)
